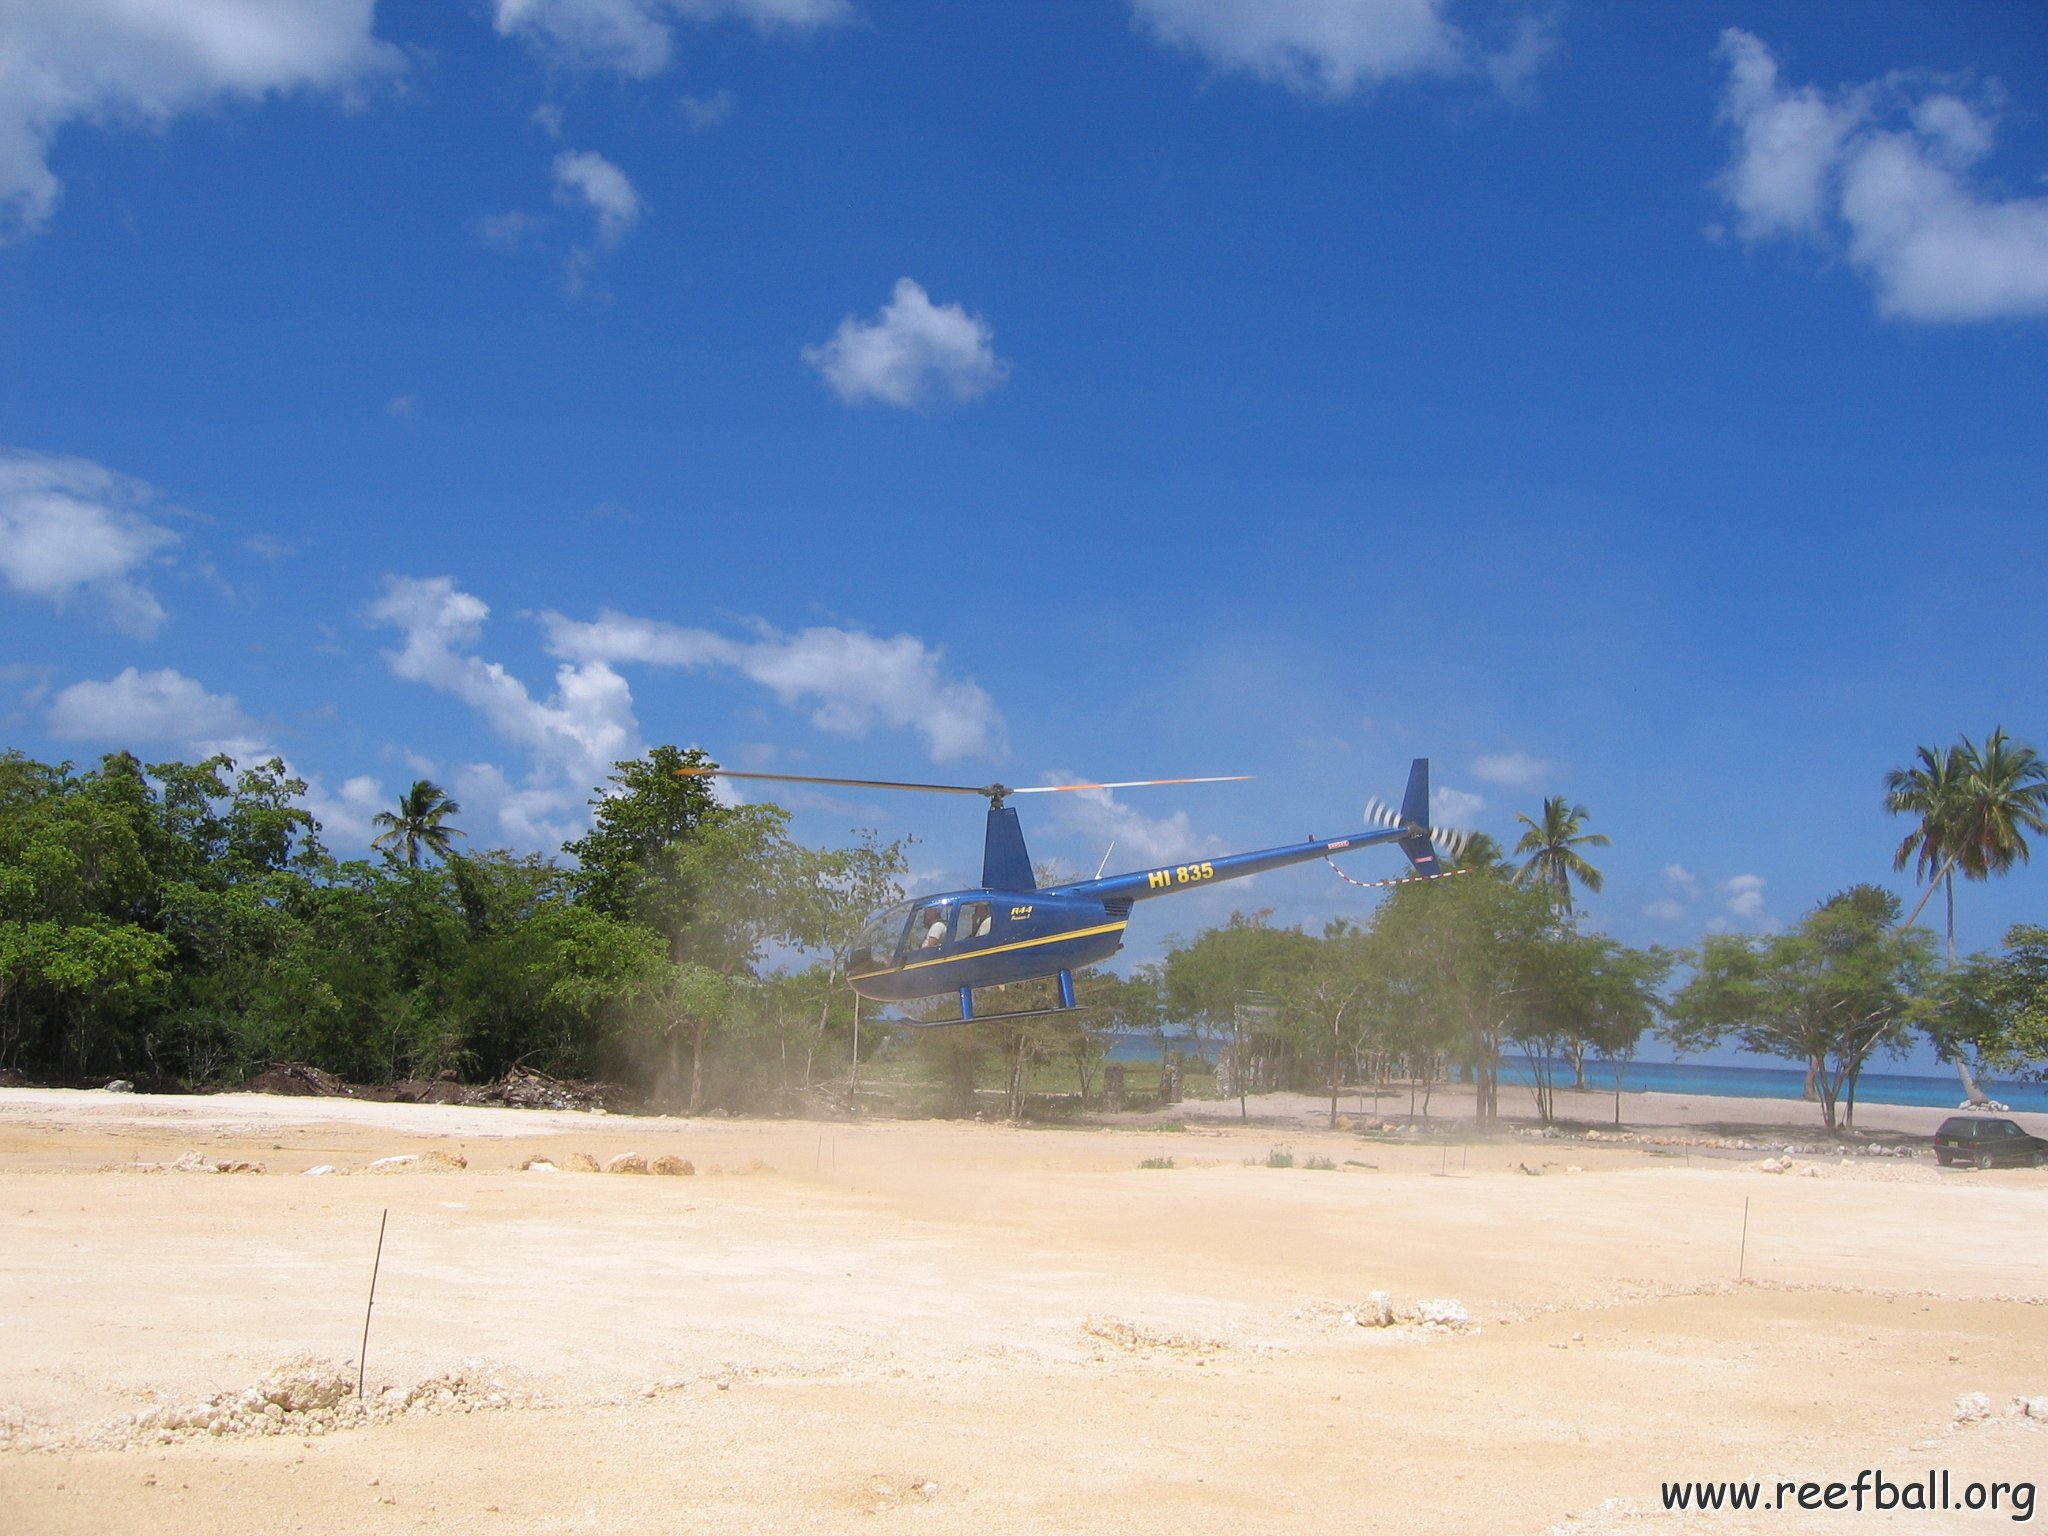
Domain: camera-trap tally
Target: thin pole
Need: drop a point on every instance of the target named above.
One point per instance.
(362, 1355)
(1742, 1257)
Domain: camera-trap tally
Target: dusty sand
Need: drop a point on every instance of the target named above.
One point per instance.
(976, 1328)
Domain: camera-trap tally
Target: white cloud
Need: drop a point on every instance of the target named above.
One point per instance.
(135, 708)
(505, 231)
(637, 37)
(1745, 895)
(912, 353)
(588, 179)
(849, 680)
(1665, 911)
(1516, 769)
(1453, 808)
(1100, 820)
(71, 527)
(346, 816)
(708, 111)
(1882, 171)
(571, 739)
(1679, 878)
(1330, 48)
(145, 62)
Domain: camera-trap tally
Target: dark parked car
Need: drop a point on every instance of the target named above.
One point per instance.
(1983, 1141)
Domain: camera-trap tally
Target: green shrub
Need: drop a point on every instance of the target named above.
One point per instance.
(1156, 1162)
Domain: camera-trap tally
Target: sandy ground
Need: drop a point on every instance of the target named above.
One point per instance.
(943, 1327)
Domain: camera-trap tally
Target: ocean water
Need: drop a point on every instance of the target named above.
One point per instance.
(1941, 1091)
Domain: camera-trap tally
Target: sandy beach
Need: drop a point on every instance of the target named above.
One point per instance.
(938, 1326)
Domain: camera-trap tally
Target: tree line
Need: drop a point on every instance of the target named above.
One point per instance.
(183, 922)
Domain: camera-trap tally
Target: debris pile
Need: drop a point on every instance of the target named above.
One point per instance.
(300, 1395)
(420, 1162)
(191, 1162)
(519, 1088)
(1380, 1310)
(1134, 1338)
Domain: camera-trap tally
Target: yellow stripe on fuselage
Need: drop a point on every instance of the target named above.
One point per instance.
(998, 949)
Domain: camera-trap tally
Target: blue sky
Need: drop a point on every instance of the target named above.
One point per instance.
(1643, 404)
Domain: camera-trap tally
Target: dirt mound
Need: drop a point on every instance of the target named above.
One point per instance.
(297, 1080)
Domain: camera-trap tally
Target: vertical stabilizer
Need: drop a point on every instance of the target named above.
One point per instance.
(1415, 816)
(1005, 861)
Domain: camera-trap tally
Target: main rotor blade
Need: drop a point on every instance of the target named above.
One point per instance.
(1051, 789)
(808, 778)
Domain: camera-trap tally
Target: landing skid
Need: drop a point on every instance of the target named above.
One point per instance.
(1066, 1004)
(985, 1018)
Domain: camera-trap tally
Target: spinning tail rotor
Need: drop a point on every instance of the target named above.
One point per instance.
(1419, 840)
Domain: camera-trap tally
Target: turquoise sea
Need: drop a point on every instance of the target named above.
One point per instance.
(1936, 1091)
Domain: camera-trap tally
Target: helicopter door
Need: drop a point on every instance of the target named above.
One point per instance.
(975, 921)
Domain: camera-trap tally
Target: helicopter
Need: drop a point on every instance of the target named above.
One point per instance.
(1010, 928)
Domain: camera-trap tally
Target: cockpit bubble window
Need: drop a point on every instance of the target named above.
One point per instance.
(875, 949)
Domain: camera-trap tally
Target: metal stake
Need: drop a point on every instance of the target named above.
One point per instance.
(363, 1354)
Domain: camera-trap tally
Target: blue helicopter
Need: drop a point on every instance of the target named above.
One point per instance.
(1010, 928)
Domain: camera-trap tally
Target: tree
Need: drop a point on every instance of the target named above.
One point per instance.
(1463, 959)
(1553, 841)
(1992, 1010)
(641, 825)
(421, 821)
(1931, 789)
(1230, 980)
(1325, 995)
(1623, 1001)
(1848, 981)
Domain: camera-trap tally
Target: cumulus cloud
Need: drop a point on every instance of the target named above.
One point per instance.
(912, 353)
(1745, 895)
(636, 38)
(571, 738)
(72, 528)
(1101, 820)
(145, 62)
(1331, 48)
(161, 708)
(1453, 807)
(347, 815)
(1515, 769)
(849, 680)
(1681, 879)
(1883, 172)
(588, 180)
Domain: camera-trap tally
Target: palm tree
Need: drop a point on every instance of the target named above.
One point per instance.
(1552, 843)
(419, 823)
(1931, 790)
(1976, 809)
(2004, 797)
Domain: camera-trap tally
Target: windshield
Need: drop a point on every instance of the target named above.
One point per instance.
(875, 949)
